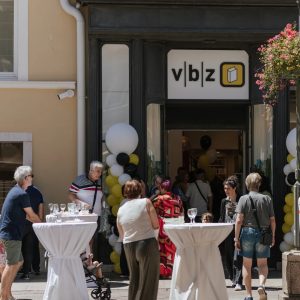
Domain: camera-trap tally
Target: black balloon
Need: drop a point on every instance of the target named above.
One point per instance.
(290, 178)
(122, 159)
(205, 142)
(130, 169)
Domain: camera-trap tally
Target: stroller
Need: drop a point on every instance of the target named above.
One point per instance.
(93, 274)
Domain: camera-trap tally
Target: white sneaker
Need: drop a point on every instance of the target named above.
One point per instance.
(238, 287)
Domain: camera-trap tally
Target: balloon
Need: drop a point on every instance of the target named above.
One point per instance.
(112, 200)
(112, 240)
(287, 208)
(116, 190)
(130, 169)
(111, 180)
(121, 137)
(289, 238)
(289, 219)
(285, 228)
(287, 169)
(289, 158)
(117, 268)
(290, 179)
(116, 170)
(293, 164)
(118, 247)
(134, 159)
(293, 228)
(124, 178)
(203, 161)
(284, 246)
(291, 142)
(114, 257)
(289, 199)
(211, 155)
(122, 159)
(210, 173)
(114, 210)
(111, 160)
(205, 142)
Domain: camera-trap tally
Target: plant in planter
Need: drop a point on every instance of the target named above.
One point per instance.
(280, 58)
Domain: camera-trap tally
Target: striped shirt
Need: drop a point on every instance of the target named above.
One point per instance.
(84, 189)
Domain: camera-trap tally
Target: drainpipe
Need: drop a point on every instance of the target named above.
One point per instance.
(71, 10)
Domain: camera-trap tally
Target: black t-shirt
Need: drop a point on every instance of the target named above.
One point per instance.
(36, 198)
(13, 216)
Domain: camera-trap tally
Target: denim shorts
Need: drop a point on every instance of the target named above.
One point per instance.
(250, 245)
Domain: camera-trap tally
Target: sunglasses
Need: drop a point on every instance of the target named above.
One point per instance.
(31, 175)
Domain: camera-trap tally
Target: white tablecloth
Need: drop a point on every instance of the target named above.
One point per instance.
(86, 218)
(65, 242)
(198, 272)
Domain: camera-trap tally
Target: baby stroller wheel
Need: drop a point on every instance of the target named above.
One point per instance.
(96, 294)
(105, 295)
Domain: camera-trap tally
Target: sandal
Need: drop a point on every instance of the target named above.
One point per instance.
(262, 293)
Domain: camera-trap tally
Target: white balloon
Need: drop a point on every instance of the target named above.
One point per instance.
(111, 160)
(211, 155)
(124, 178)
(116, 170)
(284, 246)
(287, 169)
(112, 240)
(291, 143)
(118, 248)
(293, 164)
(121, 137)
(289, 238)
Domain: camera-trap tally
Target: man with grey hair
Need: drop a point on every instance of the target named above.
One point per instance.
(16, 208)
(86, 189)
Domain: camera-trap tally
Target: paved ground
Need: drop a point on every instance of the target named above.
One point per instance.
(34, 288)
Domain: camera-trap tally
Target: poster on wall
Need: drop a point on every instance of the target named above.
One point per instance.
(208, 74)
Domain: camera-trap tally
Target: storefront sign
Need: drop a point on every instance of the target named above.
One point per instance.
(208, 74)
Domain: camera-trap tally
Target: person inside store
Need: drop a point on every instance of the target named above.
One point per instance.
(154, 188)
(167, 205)
(199, 195)
(86, 189)
(254, 212)
(230, 256)
(16, 208)
(30, 242)
(137, 222)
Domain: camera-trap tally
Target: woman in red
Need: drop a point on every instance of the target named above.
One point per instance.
(167, 205)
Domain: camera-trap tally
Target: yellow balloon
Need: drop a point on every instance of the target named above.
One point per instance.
(210, 173)
(111, 180)
(203, 161)
(134, 159)
(287, 208)
(114, 257)
(289, 199)
(116, 190)
(114, 210)
(289, 158)
(112, 200)
(117, 268)
(289, 219)
(119, 200)
(286, 227)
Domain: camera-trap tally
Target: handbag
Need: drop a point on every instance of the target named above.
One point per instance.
(266, 237)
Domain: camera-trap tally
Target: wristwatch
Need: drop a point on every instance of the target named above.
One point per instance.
(236, 240)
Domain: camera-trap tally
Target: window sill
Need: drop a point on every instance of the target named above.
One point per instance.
(43, 85)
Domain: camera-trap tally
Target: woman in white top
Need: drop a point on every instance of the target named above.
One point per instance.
(136, 223)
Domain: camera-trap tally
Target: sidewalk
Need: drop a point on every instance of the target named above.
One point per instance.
(33, 289)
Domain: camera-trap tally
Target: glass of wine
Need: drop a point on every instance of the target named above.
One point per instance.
(55, 208)
(192, 213)
(62, 207)
(50, 205)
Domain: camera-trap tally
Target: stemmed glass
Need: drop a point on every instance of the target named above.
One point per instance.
(62, 207)
(55, 208)
(50, 205)
(192, 213)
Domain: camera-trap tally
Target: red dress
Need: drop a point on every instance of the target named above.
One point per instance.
(167, 205)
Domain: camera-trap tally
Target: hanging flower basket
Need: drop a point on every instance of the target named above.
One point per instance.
(280, 58)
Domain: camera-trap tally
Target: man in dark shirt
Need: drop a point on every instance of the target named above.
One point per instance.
(16, 208)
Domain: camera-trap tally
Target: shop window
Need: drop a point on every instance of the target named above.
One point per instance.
(154, 163)
(15, 150)
(13, 39)
(263, 140)
(115, 87)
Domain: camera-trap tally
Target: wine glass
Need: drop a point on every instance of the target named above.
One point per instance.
(55, 208)
(62, 207)
(50, 205)
(192, 213)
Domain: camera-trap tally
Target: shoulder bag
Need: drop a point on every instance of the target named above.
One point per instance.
(201, 192)
(266, 233)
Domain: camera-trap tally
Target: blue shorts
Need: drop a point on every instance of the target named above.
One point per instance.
(250, 245)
